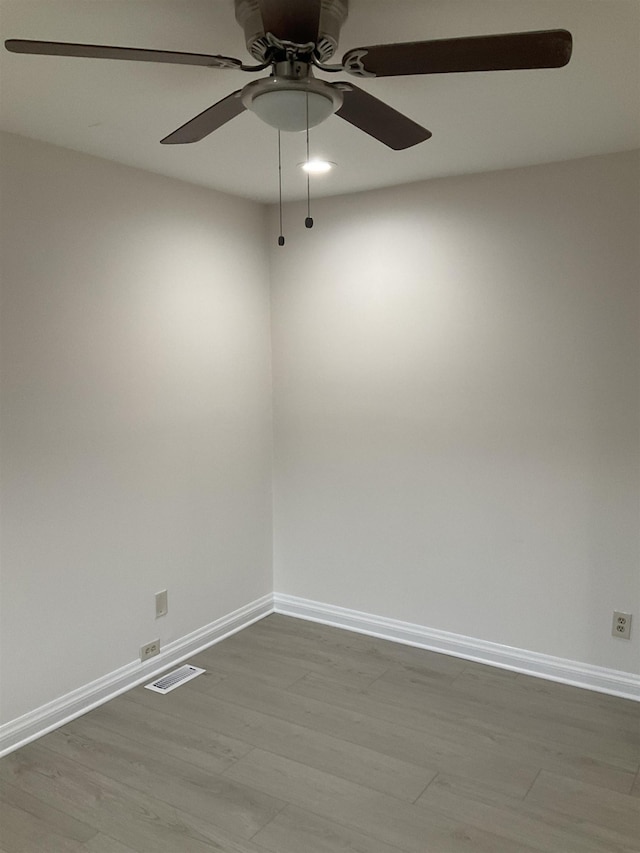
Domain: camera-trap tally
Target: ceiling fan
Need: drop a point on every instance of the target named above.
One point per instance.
(292, 38)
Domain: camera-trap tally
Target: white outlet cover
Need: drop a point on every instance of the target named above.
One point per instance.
(150, 650)
(621, 626)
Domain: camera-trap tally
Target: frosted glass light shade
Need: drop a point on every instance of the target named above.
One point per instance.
(286, 109)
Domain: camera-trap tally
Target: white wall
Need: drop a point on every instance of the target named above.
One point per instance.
(456, 406)
(136, 422)
(456, 372)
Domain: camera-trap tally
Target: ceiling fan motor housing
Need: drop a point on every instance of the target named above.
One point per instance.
(333, 14)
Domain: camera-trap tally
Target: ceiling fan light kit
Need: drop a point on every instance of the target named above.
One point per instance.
(288, 109)
(291, 99)
(291, 39)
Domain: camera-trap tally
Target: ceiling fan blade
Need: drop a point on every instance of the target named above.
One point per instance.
(298, 22)
(137, 54)
(379, 120)
(506, 51)
(207, 121)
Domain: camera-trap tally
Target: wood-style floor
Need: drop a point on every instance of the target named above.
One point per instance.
(307, 739)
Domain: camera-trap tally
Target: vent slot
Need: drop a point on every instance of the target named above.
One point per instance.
(174, 679)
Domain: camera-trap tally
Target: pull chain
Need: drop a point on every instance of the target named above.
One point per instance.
(308, 221)
(281, 237)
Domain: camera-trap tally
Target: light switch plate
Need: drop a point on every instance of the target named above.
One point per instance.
(162, 604)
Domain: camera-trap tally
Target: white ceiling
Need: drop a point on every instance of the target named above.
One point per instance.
(480, 122)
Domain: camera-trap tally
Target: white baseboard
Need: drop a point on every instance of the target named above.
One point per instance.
(22, 730)
(36, 723)
(571, 672)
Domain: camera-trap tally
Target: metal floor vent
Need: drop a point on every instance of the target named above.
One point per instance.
(174, 679)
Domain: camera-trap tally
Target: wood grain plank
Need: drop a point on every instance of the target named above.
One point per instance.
(295, 830)
(320, 749)
(617, 718)
(616, 812)
(499, 748)
(239, 809)
(223, 660)
(342, 664)
(199, 745)
(394, 823)
(490, 716)
(132, 817)
(35, 810)
(521, 821)
(101, 843)
(21, 831)
(373, 648)
(557, 692)
(386, 735)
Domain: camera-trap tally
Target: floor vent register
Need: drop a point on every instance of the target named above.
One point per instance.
(167, 683)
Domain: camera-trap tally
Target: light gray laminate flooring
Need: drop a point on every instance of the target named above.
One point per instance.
(307, 739)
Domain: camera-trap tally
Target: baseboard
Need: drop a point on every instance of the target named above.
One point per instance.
(600, 679)
(36, 723)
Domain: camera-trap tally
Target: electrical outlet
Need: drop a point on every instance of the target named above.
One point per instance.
(621, 625)
(162, 604)
(150, 650)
